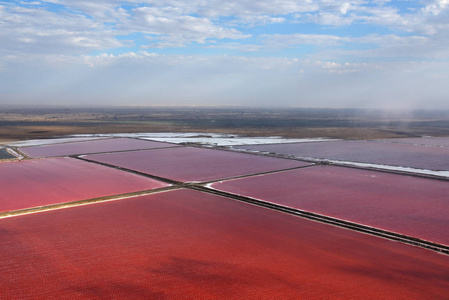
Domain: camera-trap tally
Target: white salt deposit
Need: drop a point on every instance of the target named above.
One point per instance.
(394, 168)
(208, 139)
(51, 141)
(14, 153)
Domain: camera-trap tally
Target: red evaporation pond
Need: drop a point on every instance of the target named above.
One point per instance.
(429, 141)
(415, 156)
(32, 183)
(195, 164)
(188, 245)
(404, 204)
(96, 146)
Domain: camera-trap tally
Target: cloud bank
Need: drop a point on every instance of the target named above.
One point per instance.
(329, 53)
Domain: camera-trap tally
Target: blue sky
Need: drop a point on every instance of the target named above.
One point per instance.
(329, 53)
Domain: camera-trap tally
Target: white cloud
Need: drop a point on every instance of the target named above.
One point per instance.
(217, 8)
(285, 40)
(88, 26)
(436, 7)
(329, 18)
(347, 67)
(47, 52)
(146, 78)
(177, 31)
(36, 30)
(258, 20)
(370, 46)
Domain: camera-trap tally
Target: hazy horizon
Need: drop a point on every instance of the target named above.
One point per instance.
(280, 53)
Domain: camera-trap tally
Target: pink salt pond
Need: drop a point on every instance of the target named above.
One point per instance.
(95, 146)
(407, 205)
(393, 154)
(188, 164)
(426, 141)
(189, 245)
(32, 183)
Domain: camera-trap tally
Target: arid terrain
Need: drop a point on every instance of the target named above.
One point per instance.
(32, 123)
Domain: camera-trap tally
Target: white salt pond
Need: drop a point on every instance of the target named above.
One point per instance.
(209, 139)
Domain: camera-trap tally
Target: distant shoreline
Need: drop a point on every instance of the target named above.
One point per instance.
(21, 123)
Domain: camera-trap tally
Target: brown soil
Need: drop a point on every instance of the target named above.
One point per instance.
(20, 124)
